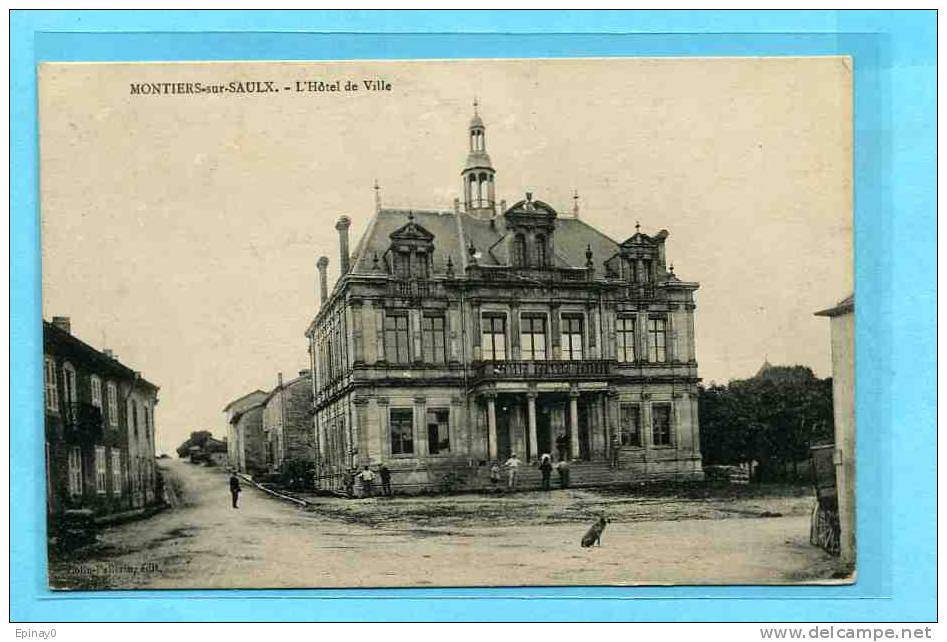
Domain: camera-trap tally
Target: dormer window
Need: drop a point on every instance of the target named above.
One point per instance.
(412, 246)
(531, 225)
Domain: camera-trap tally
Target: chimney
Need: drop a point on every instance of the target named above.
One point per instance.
(304, 373)
(342, 225)
(322, 264)
(108, 353)
(63, 324)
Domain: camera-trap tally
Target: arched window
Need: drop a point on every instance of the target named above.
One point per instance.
(519, 251)
(541, 257)
(472, 196)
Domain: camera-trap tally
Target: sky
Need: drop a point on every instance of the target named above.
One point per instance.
(182, 231)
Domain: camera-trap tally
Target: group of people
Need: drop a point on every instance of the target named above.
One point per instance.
(367, 477)
(546, 466)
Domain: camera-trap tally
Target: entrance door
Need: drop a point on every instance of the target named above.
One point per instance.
(544, 437)
(503, 431)
(585, 432)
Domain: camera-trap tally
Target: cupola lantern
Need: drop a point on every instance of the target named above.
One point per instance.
(478, 174)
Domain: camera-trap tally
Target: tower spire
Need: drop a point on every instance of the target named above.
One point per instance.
(478, 173)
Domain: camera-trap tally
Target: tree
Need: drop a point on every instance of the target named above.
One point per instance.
(772, 418)
(198, 438)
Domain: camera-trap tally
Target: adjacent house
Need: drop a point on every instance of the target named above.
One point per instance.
(456, 338)
(287, 422)
(245, 441)
(100, 429)
(842, 328)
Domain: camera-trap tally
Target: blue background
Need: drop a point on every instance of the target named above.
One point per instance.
(895, 243)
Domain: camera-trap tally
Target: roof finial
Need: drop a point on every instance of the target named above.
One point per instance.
(450, 267)
(476, 107)
(637, 227)
(575, 203)
(377, 189)
(588, 256)
(410, 215)
(375, 266)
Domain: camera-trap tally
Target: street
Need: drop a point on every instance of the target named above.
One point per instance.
(524, 539)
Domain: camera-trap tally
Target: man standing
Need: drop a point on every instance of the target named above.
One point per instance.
(545, 467)
(385, 474)
(368, 481)
(234, 489)
(563, 469)
(512, 465)
(562, 445)
(615, 452)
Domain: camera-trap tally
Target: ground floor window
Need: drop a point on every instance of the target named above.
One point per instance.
(438, 437)
(75, 471)
(630, 424)
(116, 471)
(661, 424)
(402, 431)
(100, 470)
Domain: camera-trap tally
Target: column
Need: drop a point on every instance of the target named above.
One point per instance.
(475, 329)
(514, 331)
(358, 340)
(492, 426)
(641, 338)
(414, 327)
(420, 427)
(555, 334)
(645, 421)
(362, 431)
(379, 333)
(531, 419)
(574, 423)
(453, 324)
(594, 340)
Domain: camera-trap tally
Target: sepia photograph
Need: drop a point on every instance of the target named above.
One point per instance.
(484, 323)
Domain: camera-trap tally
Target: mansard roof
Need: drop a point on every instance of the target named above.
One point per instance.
(453, 233)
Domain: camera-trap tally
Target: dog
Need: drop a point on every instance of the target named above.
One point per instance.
(594, 534)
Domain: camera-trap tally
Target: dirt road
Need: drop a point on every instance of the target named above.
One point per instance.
(267, 543)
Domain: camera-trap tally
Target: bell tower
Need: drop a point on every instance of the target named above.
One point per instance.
(478, 174)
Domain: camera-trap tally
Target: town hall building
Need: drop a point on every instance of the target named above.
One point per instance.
(453, 339)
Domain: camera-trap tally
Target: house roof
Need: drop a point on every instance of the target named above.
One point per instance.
(455, 232)
(244, 403)
(301, 379)
(53, 335)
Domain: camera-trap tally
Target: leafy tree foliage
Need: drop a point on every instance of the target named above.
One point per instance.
(198, 438)
(772, 418)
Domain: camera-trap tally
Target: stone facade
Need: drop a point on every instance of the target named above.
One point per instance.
(245, 441)
(842, 329)
(455, 338)
(287, 422)
(100, 430)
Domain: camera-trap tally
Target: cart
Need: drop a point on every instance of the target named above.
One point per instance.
(824, 530)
